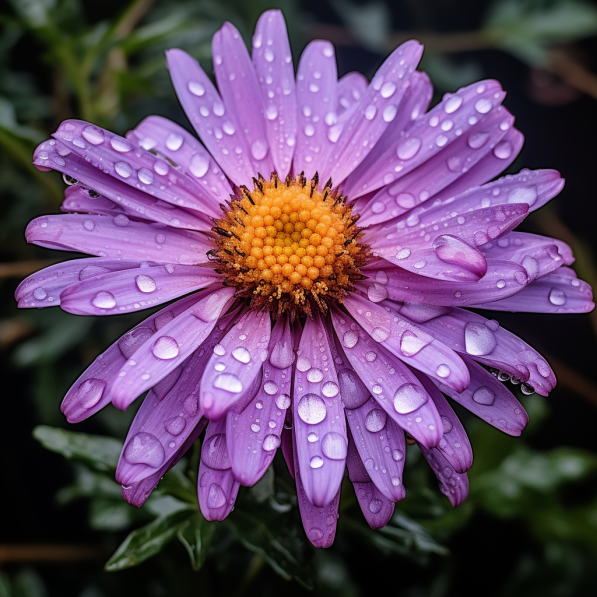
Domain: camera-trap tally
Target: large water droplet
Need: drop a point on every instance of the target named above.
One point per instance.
(104, 300)
(199, 165)
(411, 344)
(377, 292)
(557, 297)
(270, 387)
(375, 420)
(214, 452)
(241, 354)
(303, 364)
(312, 409)
(314, 375)
(442, 370)
(174, 141)
(316, 462)
(145, 283)
(94, 135)
(408, 148)
(408, 397)
(350, 338)
(484, 395)
(452, 104)
(196, 88)
(283, 401)
(228, 382)
(144, 448)
(120, 144)
(334, 446)
(352, 390)
(40, 293)
(175, 425)
(90, 392)
(165, 347)
(330, 389)
(271, 442)
(282, 355)
(380, 334)
(455, 251)
(259, 149)
(375, 505)
(216, 497)
(123, 169)
(397, 455)
(478, 339)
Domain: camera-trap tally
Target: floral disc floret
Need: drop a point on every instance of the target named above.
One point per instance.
(290, 246)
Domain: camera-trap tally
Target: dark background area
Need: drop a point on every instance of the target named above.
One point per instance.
(539, 538)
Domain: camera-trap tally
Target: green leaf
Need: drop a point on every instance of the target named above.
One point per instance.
(196, 537)
(148, 540)
(99, 452)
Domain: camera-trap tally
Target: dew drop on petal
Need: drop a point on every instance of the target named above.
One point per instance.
(312, 409)
(397, 455)
(330, 389)
(259, 149)
(314, 375)
(144, 448)
(196, 88)
(483, 105)
(350, 338)
(316, 462)
(452, 104)
(93, 134)
(271, 442)
(241, 354)
(120, 144)
(408, 397)
(375, 420)
(334, 446)
(303, 364)
(165, 348)
(214, 452)
(199, 165)
(377, 293)
(89, 225)
(443, 370)
(408, 148)
(228, 382)
(283, 401)
(312, 437)
(479, 340)
(557, 297)
(216, 497)
(123, 169)
(282, 355)
(90, 392)
(375, 505)
(270, 387)
(446, 425)
(145, 283)
(380, 334)
(174, 141)
(40, 293)
(104, 300)
(175, 425)
(484, 395)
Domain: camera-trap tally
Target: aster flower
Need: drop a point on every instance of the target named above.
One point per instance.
(325, 318)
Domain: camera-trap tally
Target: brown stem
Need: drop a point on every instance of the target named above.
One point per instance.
(49, 553)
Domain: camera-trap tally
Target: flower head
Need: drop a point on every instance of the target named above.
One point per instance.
(325, 318)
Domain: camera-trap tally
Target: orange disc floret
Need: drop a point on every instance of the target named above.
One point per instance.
(289, 245)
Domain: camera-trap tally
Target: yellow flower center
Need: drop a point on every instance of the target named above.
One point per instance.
(287, 245)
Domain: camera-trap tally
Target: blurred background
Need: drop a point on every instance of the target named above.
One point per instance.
(529, 527)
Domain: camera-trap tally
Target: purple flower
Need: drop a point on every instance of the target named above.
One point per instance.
(323, 317)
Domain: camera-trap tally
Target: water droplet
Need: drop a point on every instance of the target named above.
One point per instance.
(303, 364)
(120, 144)
(389, 113)
(370, 112)
(255, 428)
(330, 389)
(121, 220)
(216, 497)
(375, 505)
(228, 382)
(145, 176)
(377, 292)
(531, 265)
(174, 141)
(259, 149)
(89, 225)
(408, 148)
(312, 437)
(123, 169)
(196, 88)
(316, 462)
(452, 104)
(104, 300)
(477, 140)
(334, 446)
(145, 283)
(483, 105)
(484, 395)
(370, 356)
(408, 397)
(478, 339)
(312, 409)
(271, 442)
(503, 150)
(451, 249)
(165, 347)
(523, 195)
(214, 452)
(557, 297)
(40, 293)
(93, 134)
(199, 165)
(314, 375)
(447, 425)
(443, 370)
(350, 338)
(397, 455)
(411, 344)
(175, 425)
(527, 389)
(270, 387)
(375, 420)
(380, 334)
(144, 448)
(241, 354)
(407, 201)
(90, 392)
(282, 355)
(283, 401)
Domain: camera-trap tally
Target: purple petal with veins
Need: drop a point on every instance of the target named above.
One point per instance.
(452, 484)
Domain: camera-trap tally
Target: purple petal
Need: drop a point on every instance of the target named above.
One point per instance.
(539, 255)
(408, 342)
(417, 97)
(170, 141)
(272, 59)
(316, 89)
(176, 341)
(205, 110)
(136, 168)
(454, 445)
(417, 244)
(241, 94)
(319, 522)
(134, 289)
(43, 288)
(558, 292)
(376, 507)
(487, 342)
(377, 108)
(234, 364)
(490, 400)
(366, 367)
(503, 279)
(318, 415)
(447, 123)
(216, 487)
(254, 435)
(169, 414)
(78, 200)
(137, 493)
(92, 391)
(452, 484)
(102, 236)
